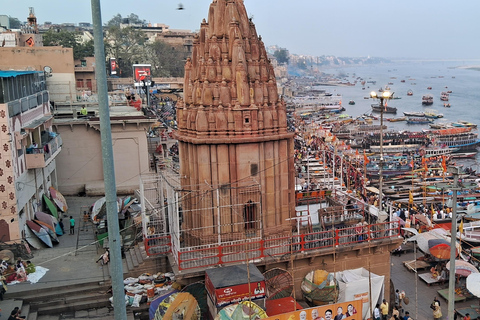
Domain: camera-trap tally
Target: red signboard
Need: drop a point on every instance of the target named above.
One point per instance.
(142, 72)
(234, 294)
(113, 66)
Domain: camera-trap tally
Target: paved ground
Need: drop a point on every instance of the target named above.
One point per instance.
(420, 295)
(70, 262)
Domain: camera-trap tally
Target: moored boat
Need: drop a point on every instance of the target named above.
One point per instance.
(409, 93)
(419, 120)
(40, 232)
(427, 99)
(413, 114)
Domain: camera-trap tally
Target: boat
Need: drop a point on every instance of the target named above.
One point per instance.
(471, 232)
(419, 120)
(351, 102)
(51, 206)
(438, 151)
(464, 155)
(385, 109)
(466, 124)
(50, 220)
(59, 199)
(432, 115)
(397, 119)
(427, 99)
(462, 138)
(409, 93)
(49, 228)
(414, 114)
(439, 125)
(40, 232)
(444, 96)
(446, 105)
(32, 239)
(429, 88)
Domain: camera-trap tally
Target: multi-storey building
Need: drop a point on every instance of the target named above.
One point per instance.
(28, 149)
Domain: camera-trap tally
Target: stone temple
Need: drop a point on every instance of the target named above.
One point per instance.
(236, 156)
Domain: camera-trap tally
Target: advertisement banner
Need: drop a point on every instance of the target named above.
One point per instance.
(235, 294)
(350, 310)
(141, 73)
(113, 66)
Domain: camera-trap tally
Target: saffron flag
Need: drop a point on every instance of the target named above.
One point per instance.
(410, 197)
(444, 164)
(365, 158)
(460, 228)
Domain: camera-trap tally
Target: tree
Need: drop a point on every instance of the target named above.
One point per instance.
(131, 19)
(14, 23)
(166, 60)
(281, 56)
(126, 44)
(68, 39)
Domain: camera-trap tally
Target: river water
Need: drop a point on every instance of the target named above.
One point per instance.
(441, 76)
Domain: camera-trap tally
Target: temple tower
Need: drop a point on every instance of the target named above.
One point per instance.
(235, 151)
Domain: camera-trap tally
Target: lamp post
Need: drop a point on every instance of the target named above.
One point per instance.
(385, 95)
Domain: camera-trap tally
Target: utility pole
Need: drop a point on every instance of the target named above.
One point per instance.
(457, 186)
(116, 266)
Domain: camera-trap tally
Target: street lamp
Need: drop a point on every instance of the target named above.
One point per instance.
(385, 95)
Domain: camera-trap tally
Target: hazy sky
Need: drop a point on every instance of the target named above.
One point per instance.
(426, 29)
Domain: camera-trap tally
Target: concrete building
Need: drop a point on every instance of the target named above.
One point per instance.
(29, 149)
(80, 168)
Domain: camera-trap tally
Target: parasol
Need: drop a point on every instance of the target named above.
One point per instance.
(473, 281)
(463, 268)
(440, 248)
(399, 220)
(372, 189)
(279, 283)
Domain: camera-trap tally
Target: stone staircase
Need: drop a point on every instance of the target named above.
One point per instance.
(85, 300)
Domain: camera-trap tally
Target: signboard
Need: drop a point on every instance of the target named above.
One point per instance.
(351, 310)
(234, 294)
(113, 66)
(142, 74)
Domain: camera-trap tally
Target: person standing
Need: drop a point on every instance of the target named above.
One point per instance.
(72, 225)
(376, 312)
(437, 311)
(384, 309)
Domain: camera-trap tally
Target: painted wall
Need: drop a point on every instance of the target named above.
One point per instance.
(80, 167)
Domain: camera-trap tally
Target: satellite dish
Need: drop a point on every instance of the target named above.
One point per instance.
(180, 6)
(48, 71)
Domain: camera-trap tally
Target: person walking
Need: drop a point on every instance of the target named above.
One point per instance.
(72, 225)
(384, 309)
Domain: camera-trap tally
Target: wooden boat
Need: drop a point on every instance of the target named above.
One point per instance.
(432, 115)
(427, 99)
(351, 102)
(471, 232)
(50, 220)
(51, 206)
(50, 230)
(180, 305)
(418, 121)
(414, 114)
(59, 199)
(40, 232)
(409, 92)
(397, 119)
(32, 239)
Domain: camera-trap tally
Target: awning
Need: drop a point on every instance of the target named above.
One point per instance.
(37, 123)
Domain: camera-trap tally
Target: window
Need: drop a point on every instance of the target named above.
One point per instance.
(250, 215)
(83, 63)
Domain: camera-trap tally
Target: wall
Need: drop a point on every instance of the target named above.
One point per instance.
(61, 84)
(80, 167)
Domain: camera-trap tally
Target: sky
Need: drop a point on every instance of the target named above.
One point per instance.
(412, 29)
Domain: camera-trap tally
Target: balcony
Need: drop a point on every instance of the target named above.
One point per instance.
(40, 157)
(85, 69)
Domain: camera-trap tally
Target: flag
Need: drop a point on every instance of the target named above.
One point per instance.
(444, 164)
(460, 228)
(365, 158)
(356, 152)
(410, 197)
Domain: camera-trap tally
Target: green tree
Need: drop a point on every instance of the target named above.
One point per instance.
(166, 60)
(130, 19)
(14, 23)
(281, 56)
(68, 39)
(127, 46)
